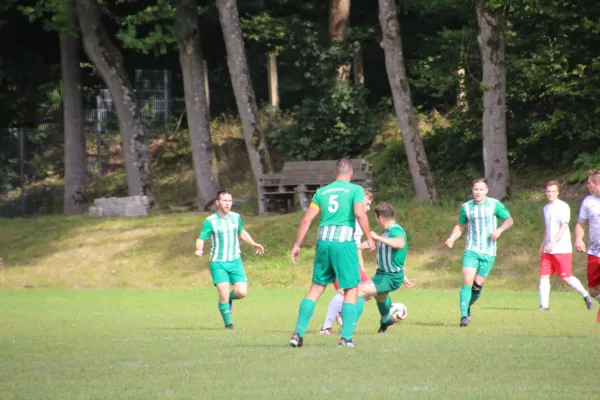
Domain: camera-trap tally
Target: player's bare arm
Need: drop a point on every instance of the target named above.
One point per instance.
(579, 234)
(457, 231)
(543, 241)
(395, 243)
(309, 215)
(561, 231)
(508, 222)
(363, 221)
(199, 247)
(245, 236)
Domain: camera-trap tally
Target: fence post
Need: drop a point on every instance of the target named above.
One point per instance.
(22, 168)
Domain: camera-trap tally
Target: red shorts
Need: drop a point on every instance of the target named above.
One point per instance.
(559, 263)
(363, 277)
(593, 271)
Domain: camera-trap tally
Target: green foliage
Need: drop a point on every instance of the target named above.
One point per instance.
(391, 174)
(150, 29)
(55, 14)
(334, 121)
(582, 164)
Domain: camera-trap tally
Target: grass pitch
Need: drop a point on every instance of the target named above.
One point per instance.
(159, 344)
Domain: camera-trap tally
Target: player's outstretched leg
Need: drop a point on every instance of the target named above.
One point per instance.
(575, 283)
(305, 312)
(465, 301)
(349, 317)
(226, 315)
(335, 306)
(384, 312)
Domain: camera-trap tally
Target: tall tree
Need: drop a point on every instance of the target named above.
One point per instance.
(242, 87)
(391, 43)
(339, 30)
(73, 116)
(190, 58)
(109, 62)
(490, 37)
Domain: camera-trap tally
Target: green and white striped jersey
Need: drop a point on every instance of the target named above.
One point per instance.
(388, 258)
(223, 234)
(336, 203)
(482, 220)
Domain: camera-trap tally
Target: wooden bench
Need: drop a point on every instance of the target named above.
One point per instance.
(277, 192)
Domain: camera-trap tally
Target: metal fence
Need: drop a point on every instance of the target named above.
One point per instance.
(32, 159)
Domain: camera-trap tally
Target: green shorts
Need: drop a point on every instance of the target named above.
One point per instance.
(336, 260)
(482, 262)
(386, 282)
(228, 271)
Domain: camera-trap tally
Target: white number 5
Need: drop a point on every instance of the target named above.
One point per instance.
(333, 203)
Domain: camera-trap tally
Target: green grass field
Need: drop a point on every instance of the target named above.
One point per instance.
(161, 344)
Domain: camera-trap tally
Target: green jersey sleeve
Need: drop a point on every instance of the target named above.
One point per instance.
(359, 195)
(396, 232)
(240, 226)
(207, 230)
(500, 211)
(462, 218)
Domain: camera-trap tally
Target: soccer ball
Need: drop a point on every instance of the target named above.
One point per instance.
(398, 311)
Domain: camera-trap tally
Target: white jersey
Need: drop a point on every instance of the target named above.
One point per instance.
(590, 213)
(556, 214)
(358, 233)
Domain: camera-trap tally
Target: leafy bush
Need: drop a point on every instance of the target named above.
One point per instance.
(582, 164)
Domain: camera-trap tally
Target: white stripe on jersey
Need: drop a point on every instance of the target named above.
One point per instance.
(215, 238)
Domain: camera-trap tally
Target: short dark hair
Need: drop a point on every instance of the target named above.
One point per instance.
(344, 166)
(478, 180)
(384, 210)
(222, 192)
(594, 174)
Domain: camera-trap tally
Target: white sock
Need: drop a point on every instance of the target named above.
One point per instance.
(335, 306)
(576, 284)
(544, 291)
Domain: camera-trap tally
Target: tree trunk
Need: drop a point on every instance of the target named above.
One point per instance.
(110, 65)
(192, 67)
(73, 121)
(490, 38)
(391, 43)
(339, 30)
(258, 153)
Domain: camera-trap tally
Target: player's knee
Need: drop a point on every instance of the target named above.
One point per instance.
(241, 292)
(477, 287)
(595, 291)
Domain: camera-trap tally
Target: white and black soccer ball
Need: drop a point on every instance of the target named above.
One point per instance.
(398, 311)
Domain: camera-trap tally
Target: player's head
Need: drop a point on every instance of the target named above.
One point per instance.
(368, 200)
(552, 190)
(593, 182)
(343, 169)
(224, 201)
(384, 213)
(480, 189)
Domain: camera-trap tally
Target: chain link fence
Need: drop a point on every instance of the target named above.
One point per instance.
(32, 159)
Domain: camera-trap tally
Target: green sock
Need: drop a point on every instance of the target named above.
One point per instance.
(225, 312)
(384, 309)
(233, 296)
(307, 307)
(465, 300)
(349, 318)
(475, 294)
(360, 306)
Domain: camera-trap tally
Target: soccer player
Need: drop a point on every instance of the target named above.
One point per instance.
(480, 219)
(556, 250)
(340, 203)
(335, 305)
(589, 214)
(224, 228)
(392, 247)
